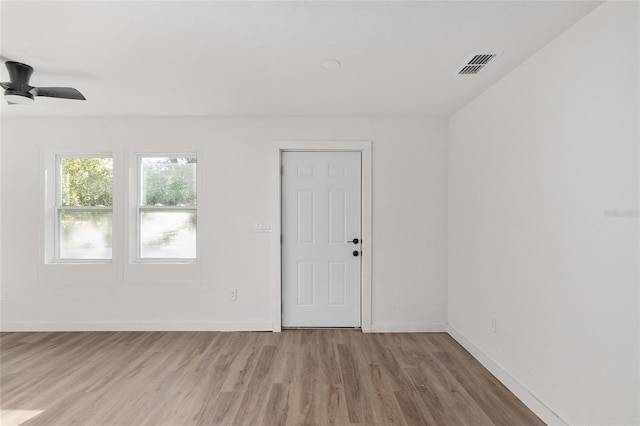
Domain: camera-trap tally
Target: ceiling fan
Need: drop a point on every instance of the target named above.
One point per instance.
(18, 90)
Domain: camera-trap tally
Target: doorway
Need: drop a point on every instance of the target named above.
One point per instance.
(321, 239)
(338, 268)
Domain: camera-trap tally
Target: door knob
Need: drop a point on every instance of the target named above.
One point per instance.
(356, 253)
(354, 241)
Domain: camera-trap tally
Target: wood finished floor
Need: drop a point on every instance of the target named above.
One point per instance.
(295, 377)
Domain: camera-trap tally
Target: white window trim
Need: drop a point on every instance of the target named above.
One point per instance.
(76, 271)
(136, 199)
(122, 267)
(58, 208)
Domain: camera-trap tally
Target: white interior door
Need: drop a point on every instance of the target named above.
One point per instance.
(321, 219)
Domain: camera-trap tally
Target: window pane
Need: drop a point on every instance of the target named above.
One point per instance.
(168, 181)
(85, 235)
(168, 234)
(86, 181)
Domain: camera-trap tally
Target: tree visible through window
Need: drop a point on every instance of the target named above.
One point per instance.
(84, 208)
(167, 207)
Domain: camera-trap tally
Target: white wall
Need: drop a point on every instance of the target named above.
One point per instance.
(409, 224)
(535, 163)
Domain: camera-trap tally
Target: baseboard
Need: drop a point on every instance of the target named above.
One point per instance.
(35, 326)
(518, 389)
(136, 326)
(408, 327)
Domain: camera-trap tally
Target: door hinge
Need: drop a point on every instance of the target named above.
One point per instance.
(281, 170)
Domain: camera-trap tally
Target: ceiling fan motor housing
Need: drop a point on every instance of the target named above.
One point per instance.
(19, 73)
(19, 91)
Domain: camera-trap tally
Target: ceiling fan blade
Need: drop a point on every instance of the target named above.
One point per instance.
(59, 92)
(7, 86)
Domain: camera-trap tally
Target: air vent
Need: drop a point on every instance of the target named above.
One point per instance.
(471, 69)
(477, 63)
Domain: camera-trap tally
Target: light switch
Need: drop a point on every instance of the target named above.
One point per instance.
(262, 227)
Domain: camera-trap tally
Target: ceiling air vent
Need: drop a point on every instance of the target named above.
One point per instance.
(477, 63)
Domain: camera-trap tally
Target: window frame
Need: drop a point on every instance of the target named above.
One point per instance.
(58, 208)
(139, 208)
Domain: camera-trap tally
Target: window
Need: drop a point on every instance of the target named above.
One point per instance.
(84, 208)
(166, 207)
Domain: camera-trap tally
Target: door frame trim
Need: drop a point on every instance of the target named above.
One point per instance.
(275, 195)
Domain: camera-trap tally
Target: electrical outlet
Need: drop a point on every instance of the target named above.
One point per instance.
(6, 296)
(494, 325)
(233, 294)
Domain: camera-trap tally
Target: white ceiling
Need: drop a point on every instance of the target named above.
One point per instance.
(183, 58)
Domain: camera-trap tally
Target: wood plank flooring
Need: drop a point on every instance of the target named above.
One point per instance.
(301, 377)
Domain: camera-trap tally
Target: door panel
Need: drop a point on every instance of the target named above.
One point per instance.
(305, 213)
(305, 283)
(337, 283)
(321, 214)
